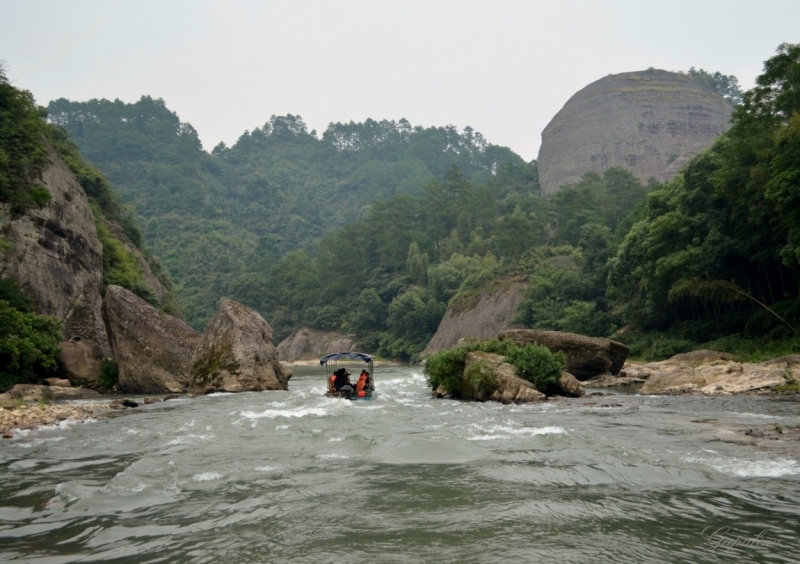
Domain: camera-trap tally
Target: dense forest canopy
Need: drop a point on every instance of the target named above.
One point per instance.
(278, 189)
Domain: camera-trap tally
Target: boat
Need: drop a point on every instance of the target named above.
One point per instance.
(348, 390)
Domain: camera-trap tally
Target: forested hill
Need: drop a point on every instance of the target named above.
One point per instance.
(211, 216)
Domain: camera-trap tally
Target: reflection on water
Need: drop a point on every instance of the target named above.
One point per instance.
(294, 476)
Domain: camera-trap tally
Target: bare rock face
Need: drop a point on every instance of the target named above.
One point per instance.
(56, 256)
(650, 122)
(80, 362)
(485, 320)
(235, 354)
(309, 343)
(712, 373)
(586, 356)
(153, 350)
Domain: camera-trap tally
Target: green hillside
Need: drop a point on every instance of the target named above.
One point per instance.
(280, 188)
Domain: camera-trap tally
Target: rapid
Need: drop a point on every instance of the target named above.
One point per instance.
(297, 477)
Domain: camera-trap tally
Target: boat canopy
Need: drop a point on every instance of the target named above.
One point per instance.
(351, 355)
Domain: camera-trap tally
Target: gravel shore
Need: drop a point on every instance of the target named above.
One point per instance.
(34, 416)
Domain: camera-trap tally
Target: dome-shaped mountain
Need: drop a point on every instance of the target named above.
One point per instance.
(650, 122)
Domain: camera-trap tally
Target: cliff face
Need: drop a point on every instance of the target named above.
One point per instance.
(54, 253)
(310, 343)
(650, 122)
(491, 315)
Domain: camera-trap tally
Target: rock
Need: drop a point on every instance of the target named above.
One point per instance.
(482, 320)
(514, 389)
(150, 400)
(586, 356)
(309, 343)
(127, 402)
(56, 256)
(34, 393)
(649, 122)
(153, 350)
(707, 372)
(608, 381)
(235, 354)
(58, 382)
(81, 361)
(171, 397)
(569, 386)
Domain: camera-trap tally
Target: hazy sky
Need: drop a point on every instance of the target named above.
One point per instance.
(503, 67)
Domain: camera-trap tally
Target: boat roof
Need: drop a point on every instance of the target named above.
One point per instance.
(351, 355)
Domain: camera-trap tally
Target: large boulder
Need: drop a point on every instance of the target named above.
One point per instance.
(586, 356)
(709, 372)
(481, 319)
(506, 387)
(153, 350)
(649, 122)
(80, 361)
(235, 354)
(569, 386)
(308, 343)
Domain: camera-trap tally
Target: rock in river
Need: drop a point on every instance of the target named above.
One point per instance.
(235, 354)
(153, 350)
(586, 356)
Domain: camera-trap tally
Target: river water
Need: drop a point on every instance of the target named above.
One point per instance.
(296, 477)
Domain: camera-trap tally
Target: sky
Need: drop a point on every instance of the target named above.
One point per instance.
(503, 67)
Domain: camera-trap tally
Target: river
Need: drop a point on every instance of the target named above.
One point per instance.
(296, 477)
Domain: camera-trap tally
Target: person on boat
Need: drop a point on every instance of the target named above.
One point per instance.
(363, 382)
(342, 379)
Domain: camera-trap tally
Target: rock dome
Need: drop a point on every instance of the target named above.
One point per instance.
(650, 122)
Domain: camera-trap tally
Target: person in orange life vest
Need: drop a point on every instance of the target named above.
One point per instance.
(362, 381)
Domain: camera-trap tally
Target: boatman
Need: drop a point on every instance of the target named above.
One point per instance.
(342, 379)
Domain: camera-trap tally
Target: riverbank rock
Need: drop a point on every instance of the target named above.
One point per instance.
(491, 314)
(35, 393)
(58, 382)
(506, 387)
(709, 372)
(235, 354)
(80, 361)
(153, 350)
(308, 343)
(32, 417)
(586, 356)
(569, 386)
(649, 122)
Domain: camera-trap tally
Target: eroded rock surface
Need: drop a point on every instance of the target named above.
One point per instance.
(485, 320)
(235, 354)
(710, 372)
(309, 343)
(650, 122)
(153, 350)
(56, 256)
(80, 361)
(586, 356)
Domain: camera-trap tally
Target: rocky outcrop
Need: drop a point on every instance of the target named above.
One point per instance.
(80, 361)
(235, 354)
(56, 256)
(35, 393)
(650, 122)
(587, 357)
(153, 350)
(148, 278)
(709, 372)
(499, 381)
(491, 314)
(308, 343)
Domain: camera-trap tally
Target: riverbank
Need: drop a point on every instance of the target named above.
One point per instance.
(31, 417)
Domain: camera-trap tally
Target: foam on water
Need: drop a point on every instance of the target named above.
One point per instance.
(749, 468)
(206, 476)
